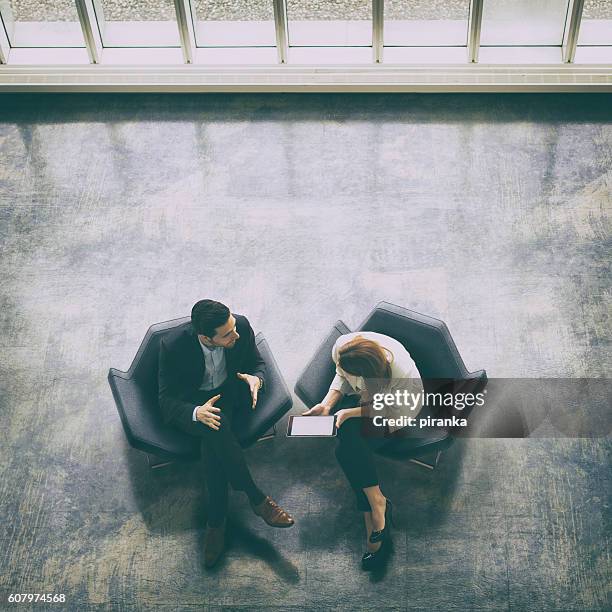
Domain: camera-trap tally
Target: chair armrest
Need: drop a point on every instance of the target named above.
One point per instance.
(411, 447)
(473, 383)
(143, 424)
(314, 381)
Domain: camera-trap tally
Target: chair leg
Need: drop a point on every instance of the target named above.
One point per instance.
(155, 462)
(271, 433)
(429, 466)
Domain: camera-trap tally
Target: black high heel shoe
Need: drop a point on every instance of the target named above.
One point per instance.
(373, 560)
(379, 536)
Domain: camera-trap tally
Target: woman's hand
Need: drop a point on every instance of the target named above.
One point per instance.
(343, 415)
(317, 410)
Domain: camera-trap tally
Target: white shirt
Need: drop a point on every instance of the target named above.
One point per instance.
(404, 374)
(214, 367)
(215, 371)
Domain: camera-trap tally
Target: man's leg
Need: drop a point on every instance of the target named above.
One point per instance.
(217, 485)
(228, 452)
(223, 444)
(267, 508)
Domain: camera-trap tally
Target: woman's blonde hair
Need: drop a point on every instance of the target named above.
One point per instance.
(363, 357)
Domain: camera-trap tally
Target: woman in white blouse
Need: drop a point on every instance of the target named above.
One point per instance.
(367, 363)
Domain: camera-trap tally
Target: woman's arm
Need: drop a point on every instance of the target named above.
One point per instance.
(331, 399)
(347, 413)
(325, 406)
(338, 388)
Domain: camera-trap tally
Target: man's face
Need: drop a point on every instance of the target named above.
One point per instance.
(225, 336)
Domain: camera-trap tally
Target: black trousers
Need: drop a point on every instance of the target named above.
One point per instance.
(357, 442)
(222, 454)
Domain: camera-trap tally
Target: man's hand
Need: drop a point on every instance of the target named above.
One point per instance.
(254, 383)
(208, 413)
(316, 410)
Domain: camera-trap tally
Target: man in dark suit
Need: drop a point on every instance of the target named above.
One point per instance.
(210, 375)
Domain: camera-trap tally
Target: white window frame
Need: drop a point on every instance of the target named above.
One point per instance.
(370, 67)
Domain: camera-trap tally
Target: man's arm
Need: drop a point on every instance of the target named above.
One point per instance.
(255, 364)
(173, 408)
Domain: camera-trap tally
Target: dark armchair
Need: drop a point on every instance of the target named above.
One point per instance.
(136, 396)
(440, 365)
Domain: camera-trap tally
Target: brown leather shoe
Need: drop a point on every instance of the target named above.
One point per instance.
(214, 544)
(273, 514)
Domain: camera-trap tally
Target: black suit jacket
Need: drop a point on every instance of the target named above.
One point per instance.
(181, 367)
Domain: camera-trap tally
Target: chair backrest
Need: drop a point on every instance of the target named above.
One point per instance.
(426, 339)
(144, 368)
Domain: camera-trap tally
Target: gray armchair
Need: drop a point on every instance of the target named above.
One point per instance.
(136, 396)
(436, 356)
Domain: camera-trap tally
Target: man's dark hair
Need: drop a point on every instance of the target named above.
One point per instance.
(207, 315)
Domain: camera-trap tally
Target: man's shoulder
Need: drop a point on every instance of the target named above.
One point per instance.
(177, 336)
(241, 321)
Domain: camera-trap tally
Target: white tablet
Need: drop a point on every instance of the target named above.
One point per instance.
(313, 426)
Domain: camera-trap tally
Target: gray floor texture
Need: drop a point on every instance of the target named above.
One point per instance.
(491, 212)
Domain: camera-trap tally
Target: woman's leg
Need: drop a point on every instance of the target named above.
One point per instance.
(378, 503)
(355, 456)
(369, 529)
(356, 460)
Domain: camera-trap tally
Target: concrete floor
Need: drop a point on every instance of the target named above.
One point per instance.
(491, 212)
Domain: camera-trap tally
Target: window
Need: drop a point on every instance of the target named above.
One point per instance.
(308, 32)
(523, 22)
(421, 23)
(596, 26)
(137, 23)
(41, 24)
(234, 24)
(344, 23)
